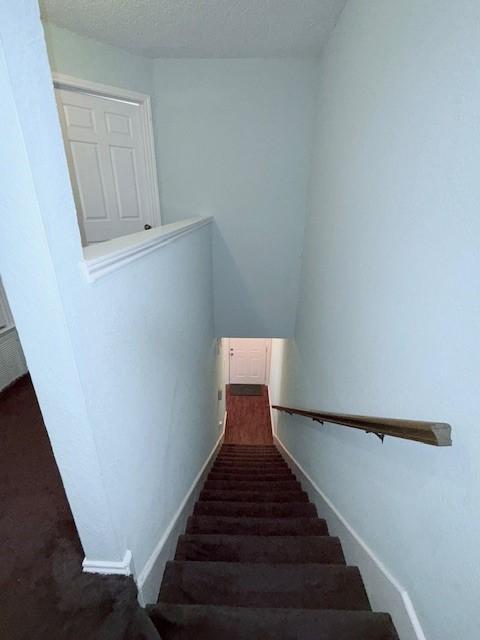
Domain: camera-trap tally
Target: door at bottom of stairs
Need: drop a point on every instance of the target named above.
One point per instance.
(249, 360)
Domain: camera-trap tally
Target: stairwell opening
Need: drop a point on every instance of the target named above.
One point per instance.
(249, 378)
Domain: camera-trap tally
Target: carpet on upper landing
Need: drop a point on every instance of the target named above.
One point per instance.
(43, 593)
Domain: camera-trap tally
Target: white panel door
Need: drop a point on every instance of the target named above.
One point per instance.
(248, 360)
(106, 152)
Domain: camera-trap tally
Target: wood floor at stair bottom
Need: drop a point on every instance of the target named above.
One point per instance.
(256, 562)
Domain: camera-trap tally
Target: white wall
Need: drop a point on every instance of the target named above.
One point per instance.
(88, 59)
(233, 141)
(222, 377)
(124, 368)
(388, 321)
(153, 397)
(277, 357)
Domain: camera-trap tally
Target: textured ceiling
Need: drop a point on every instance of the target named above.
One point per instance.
(201, 28)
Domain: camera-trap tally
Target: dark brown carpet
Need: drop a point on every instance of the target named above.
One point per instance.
(257, 563)
(43, 593)
(248, 418)
(246, 389)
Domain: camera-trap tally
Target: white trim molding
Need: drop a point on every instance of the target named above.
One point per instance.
(122, 567)
(104, 257)
(63, 81)
(383, 589)
(149, 579)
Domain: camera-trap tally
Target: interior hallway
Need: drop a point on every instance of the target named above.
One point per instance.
(248, 418)
(43, 593)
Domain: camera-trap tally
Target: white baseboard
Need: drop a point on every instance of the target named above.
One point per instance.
(150, 577)
(384, 591)
(123, 567)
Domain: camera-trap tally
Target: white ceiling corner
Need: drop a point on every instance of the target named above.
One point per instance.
(201, 28)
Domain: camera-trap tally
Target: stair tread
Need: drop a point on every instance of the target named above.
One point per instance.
(233, 495)
(242, 548)
(227, 455)
(244, 468)
(252, 509)
(253, 485)
(250, 458)
(217, 477)
(256, 472)
(251, 468)
(251, 462)
(309, 586)
(252, 451)
(245, 455)
(231, 452)
(252, 473)
(252, 447)
(210, 622)
(267, 527)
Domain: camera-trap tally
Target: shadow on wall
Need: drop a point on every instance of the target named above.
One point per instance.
(242, 318)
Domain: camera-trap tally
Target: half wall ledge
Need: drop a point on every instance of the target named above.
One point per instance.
(105, 257)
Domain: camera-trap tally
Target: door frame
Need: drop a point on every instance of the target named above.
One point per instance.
(143, 100)
(227, 360)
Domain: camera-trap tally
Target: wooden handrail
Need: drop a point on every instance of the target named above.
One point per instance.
(434, 433)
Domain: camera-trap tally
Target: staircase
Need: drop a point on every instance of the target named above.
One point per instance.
(257, 563)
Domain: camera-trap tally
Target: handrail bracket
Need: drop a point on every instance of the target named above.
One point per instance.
(380, 436)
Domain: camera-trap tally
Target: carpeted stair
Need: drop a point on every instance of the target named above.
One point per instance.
(257, 563)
